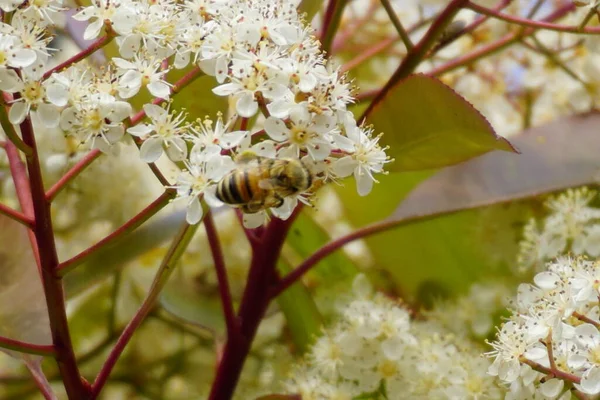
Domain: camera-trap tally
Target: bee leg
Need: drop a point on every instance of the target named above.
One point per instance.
(253, 207)
(274, 201)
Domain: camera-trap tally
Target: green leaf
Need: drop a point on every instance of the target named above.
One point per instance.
(428, 125)
(447, 253)
(555, 156)
(301, 313)
(310, 7)
(306, 237)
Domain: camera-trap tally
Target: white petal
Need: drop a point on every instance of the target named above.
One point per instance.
(181, 60)
(194, 212)
(176, 149)
(119, 111)
(221, 69)
(57, 94)
(154, 112)
(276, 129)
(246, 105)
(140, 130)
(546, 280)
(123, 64)
(552, 387)
(252, 221)
(159, 89)
(364, 182)
(85, 14)
(226, 89)
(114, 134)
(307, 83)
(280, 108)
(18, 112)
(344, 166)
(23, 58)
(9, 80)
(266, 148)
(93, 30)
(130, 46)
(49, 115)
(151, 150)
(232, 139)
(590, 382)
(319, 151)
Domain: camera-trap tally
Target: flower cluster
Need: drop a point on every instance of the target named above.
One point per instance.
(376, 348)
(571, 226)
(554, 331)
(263, 58)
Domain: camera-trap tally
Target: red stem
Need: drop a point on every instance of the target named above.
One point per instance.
(496, 46)
(168, 263)
(16, 215)
(24, 347)
(123, 230)
(72, 174)
(21, 182)
(417, 54)
(224, 290)
(98, 43)
(252, 308)
(52, 283)
(531, 23)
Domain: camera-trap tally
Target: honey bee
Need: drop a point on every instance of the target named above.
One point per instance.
(259, 182)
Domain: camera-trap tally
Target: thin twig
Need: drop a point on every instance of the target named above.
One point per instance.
(98, 44)
(53, 288)
(178, 246)
(224, 290)
(123, 230)
(24, 347)
(531, 23)
(397, 24)
(16, 215)
(72, 174)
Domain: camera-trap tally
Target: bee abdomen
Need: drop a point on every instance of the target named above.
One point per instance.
(235, 188)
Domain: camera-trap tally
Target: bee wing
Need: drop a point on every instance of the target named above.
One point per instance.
(266, 184)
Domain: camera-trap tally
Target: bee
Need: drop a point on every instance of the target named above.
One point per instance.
(259, 182)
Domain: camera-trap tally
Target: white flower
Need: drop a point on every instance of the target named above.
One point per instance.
(245, 88)
(511, 343)
(99, 12)
(97, 120)
(199, 179)
(141, 72)
(13, 54)
(207, 136)
(306, 132)
(368, 157)
(32, 95)
(31, 36)
(165, 131)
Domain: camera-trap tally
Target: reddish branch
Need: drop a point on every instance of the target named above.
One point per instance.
(173, 255)
(29, 348)
(52, 283)
(97, 45)
(16, 215)
(224, 290)
(252, 308)
(532, 23)
(72, 174)
(125, 229)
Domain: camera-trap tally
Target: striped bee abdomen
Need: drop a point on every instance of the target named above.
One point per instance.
(240, 186)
